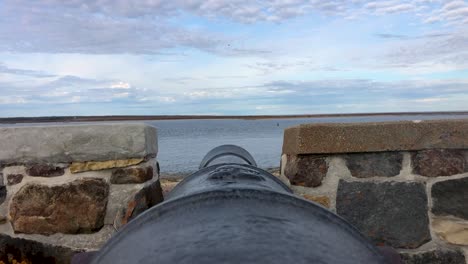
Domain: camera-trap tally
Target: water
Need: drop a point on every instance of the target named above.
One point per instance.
(183, 143)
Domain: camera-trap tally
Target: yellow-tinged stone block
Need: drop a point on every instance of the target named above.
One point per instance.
(168, 185)
(322, 200)
(452, 231)
(76, 167)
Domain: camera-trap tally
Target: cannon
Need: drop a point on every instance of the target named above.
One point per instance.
(231, 211)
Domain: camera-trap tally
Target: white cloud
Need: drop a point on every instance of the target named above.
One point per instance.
(120, 95)
(429, 100)
(76, 99)
(453, 12)
(120, 85)
(148, 27)
(10, 100)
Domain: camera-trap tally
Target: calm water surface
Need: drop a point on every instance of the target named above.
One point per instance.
(183, 143)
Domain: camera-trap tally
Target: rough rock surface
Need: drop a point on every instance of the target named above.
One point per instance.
(144, 199)
(44, 170)
(168, 184)
(438, 162)
(322, 200)
(132, 175)
(76, 167)
(451, 198)
(375, 136)
(32, 251)
(390, 213)
(77, 207)
(451, 231)
(67, 143)
(13, 179)
(434, 257)
(306, 170)
(379, 164)
(3, 193)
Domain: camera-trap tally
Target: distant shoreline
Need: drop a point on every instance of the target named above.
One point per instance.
(48, 119)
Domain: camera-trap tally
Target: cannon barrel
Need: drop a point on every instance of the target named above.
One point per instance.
(234, 212)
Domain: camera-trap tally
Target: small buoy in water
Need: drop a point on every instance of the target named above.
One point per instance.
(277, 124)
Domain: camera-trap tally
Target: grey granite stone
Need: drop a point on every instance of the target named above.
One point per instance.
(450, 197)
(144, 199)
(76, 207)
(3, 193)
(131, 175)
(68, 143)
(434, 257)
(391, 213)
(13, 179)
(380, 164)
(44, 170)
(32, 251)
(306, 170)
(438, 162)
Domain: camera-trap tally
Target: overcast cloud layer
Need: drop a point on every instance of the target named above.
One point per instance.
(110, 57)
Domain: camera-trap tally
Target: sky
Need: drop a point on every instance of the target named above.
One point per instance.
(232, 57)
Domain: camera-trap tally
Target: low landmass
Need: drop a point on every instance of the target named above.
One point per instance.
(46, 119)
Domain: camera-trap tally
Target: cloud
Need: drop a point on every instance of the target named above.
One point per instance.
(409, 37)
(120, 85)
(270, 66)
(150, 27)
(22, 72)
(452, 12)
(238, 10)
(74, 95)
(450, 50)
(389, 7)
(52, 31)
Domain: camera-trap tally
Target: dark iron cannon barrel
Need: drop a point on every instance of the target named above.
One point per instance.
(233, 212)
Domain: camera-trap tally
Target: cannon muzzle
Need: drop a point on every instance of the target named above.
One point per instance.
(233, 212)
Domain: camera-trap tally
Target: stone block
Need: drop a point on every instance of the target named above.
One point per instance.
(76, 207)
(146, 198)
(322, 200)
(82, 142)
(383, 164)
(327, 138)
(450, 197)
(454, 232)
(13, 179)
(438, 162)
(76, 167)
(434, 257)
(390, 213)
(306, 170)
(3, 193)
(44, 170)
(168, 184)
(132, 175)
(30, 251)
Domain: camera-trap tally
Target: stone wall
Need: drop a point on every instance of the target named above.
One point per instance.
(402, 184)
(67, 189)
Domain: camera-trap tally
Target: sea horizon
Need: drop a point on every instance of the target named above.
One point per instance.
(98, 118)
